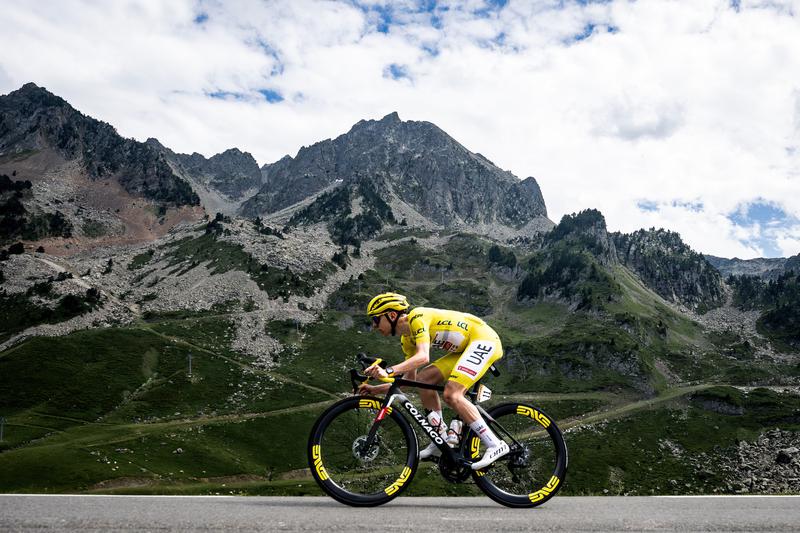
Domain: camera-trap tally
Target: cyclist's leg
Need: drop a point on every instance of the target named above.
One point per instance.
(430, 398)
(454, 396)
(434, 375)
(470, 366)
(473, 363)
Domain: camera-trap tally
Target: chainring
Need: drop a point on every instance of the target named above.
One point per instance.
(454, 473)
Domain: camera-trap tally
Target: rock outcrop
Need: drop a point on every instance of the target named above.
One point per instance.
(413, 162)
(33, 119)
(766, 268)
(232, 173)
(671, 268)
(769, 465)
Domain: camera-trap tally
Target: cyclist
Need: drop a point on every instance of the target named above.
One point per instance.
(472, 347)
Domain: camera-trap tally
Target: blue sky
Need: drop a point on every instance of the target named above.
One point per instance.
(768, 222)
(681, 114)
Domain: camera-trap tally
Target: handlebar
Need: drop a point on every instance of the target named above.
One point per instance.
(367, 361)
(358, 379)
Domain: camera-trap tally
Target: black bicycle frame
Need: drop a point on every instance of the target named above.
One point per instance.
(421, 419)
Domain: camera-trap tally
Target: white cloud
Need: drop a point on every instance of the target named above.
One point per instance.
(789, 243)
(607, 104)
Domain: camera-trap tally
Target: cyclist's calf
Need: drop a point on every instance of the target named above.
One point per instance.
(454, 397)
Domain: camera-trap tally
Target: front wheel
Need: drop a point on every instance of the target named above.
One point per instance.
(353, 471)
(534, 470)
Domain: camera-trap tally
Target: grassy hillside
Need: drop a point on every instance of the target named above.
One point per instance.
(116, 410)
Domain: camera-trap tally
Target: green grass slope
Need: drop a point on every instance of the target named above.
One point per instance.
(116, 410)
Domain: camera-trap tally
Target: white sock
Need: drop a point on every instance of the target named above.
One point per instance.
(487, 436)
(436, 420)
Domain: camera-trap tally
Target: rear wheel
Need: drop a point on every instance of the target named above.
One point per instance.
(534, 470)
(350, 471)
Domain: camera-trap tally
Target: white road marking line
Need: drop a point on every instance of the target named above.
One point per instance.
(728, 496)
(118, 495)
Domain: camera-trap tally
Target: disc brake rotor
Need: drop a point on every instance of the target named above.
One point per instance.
(519, 458)
(359, 451)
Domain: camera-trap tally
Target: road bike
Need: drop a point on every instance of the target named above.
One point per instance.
(363, 451)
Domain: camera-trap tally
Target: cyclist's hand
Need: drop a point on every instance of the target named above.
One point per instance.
(376, 372)
(365, 390)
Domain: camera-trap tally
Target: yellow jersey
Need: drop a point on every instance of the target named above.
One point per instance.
(450, 331)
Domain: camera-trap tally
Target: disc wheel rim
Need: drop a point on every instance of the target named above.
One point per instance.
(534, 470)
(373, 477)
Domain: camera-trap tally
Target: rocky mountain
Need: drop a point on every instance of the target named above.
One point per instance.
(222, 181)
(572, 262)
(232, 172)
(578, 257)
(777, 300)
(671, 268)
(33, 119)
(767, 268)
(158, 363)
(422, 172)
(768, 289)
(89, 186)
(354, 211)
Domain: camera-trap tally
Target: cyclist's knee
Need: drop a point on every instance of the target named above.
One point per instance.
(453, 393)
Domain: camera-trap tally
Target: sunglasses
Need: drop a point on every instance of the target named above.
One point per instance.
(376, 321)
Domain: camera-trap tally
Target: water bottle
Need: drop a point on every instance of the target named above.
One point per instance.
(454, 433)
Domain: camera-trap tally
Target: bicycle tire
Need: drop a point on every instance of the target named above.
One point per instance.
(354, 478)
(531, 473)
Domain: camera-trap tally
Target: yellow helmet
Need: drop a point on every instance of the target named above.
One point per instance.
(388, 301)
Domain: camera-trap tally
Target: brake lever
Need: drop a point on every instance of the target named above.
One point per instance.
(367, 361)
(357, 379)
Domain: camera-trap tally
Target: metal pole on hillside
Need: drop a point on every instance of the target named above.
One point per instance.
(190, 364)
(2, 423)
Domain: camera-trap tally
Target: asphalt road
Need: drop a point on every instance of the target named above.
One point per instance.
(177, 513)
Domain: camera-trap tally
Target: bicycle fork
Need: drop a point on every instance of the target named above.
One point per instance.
(419, 418)
(386, 408)
(430, 431)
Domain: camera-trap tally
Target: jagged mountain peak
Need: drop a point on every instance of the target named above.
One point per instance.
(392, 133)
(31, 90)
(392, 118)
(585, 230)
(155, 143)
(32, 105)
(232, 154)
(232, 151)
(222, 180)
(34, 120)
(670, 267)
(418, 165)
(659, 257)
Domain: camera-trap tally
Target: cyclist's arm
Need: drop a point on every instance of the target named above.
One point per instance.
(419, 359)
(383, 389)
